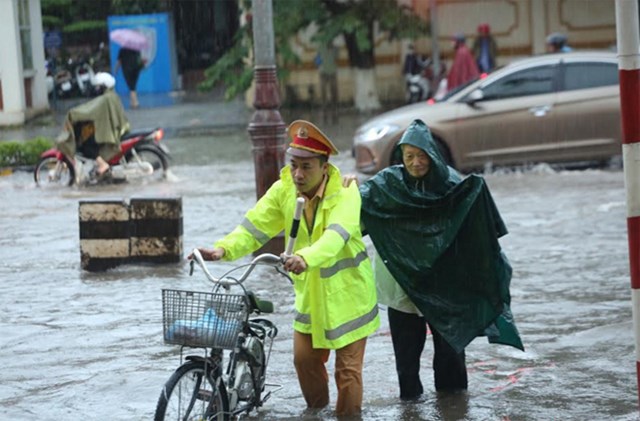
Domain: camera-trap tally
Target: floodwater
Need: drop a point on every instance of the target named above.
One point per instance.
(78, 345)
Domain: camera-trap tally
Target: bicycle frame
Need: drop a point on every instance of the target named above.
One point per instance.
(261, 329)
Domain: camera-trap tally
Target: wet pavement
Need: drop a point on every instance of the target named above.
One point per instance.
(79, 345)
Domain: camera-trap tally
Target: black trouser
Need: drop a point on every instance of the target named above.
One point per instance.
(408, 333)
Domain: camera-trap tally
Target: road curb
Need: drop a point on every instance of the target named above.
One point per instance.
(6, 171)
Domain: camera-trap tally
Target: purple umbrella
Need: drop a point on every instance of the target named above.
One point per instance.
(129, 38)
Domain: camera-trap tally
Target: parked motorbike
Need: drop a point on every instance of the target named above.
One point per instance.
(422, 86)
(84, 77)
(49, 76)
(64, 84)
(141, 157)
(417, 88)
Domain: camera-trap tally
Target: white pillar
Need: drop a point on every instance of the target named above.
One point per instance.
(39, 90)
(12, 72)
(13, 99)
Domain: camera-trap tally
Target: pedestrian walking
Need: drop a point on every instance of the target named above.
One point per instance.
(132, 63)
(326, 60)
(439, 262)
(464, 68)
(335, 296)
(485, 49)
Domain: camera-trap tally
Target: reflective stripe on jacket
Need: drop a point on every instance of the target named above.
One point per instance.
(335, 297)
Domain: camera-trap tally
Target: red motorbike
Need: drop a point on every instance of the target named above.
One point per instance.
(141, 156)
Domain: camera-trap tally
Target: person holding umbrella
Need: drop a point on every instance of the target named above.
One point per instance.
(130, 59)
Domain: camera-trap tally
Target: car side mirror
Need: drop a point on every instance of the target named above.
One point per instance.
(474, 97)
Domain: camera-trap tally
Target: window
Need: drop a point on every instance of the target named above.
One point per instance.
(25, 34)
(534, 81)
(589, 75)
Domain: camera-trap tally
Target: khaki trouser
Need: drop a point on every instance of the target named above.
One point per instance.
(314, 380)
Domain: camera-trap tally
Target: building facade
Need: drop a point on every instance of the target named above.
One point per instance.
(23, 91)
(519, 27)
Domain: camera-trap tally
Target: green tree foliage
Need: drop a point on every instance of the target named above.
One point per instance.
(135, 7)
(87, 19)
(71, 16)
(353, 19)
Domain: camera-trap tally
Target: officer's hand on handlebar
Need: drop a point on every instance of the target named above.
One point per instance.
(295, 263)
(210, 254)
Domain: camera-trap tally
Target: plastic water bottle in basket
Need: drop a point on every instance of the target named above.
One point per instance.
(201, 319)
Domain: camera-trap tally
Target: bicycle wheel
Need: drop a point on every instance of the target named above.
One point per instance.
(193, 392)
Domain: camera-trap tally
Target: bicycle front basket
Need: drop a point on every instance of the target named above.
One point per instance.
(203, 319)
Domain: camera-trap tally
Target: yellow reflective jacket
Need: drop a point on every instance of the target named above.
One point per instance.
(336, 296)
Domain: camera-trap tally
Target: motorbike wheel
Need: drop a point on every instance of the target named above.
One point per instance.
(51, 172)
(150, 154)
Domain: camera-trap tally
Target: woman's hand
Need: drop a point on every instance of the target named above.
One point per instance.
(347, 179)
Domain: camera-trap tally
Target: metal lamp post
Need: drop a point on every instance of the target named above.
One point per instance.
(266, 128)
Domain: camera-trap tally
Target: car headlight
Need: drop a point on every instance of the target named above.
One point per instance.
(377, 132)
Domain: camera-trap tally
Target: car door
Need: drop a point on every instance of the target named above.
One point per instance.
(588, 110)
(512, 122)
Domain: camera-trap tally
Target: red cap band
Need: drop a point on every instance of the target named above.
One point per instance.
(310, 144)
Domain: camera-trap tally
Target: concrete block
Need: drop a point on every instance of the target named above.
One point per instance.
(114, 232)
(104, 234)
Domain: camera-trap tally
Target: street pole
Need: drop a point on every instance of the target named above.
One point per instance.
(629, 71)
(266, 128)
(435, 48)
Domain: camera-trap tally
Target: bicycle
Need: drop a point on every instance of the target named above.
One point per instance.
(202, 388)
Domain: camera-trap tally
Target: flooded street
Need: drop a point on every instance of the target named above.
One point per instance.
(79, 345)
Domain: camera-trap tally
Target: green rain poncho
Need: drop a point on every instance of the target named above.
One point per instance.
(438, 236)
(109, 120)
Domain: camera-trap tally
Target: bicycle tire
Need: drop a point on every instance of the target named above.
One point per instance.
(194, 391)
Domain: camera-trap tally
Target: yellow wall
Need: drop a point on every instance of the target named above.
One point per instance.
(519, 27)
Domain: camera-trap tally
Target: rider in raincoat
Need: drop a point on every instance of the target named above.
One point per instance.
(95, 127)
(440, 261)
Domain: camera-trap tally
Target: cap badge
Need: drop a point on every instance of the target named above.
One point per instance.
(303, 132)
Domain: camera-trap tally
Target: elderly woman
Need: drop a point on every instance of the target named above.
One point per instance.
(440, 264)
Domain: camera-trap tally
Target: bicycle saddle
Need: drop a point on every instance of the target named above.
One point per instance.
(262, 306)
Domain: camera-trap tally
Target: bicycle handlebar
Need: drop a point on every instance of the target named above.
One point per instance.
(265, 258)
